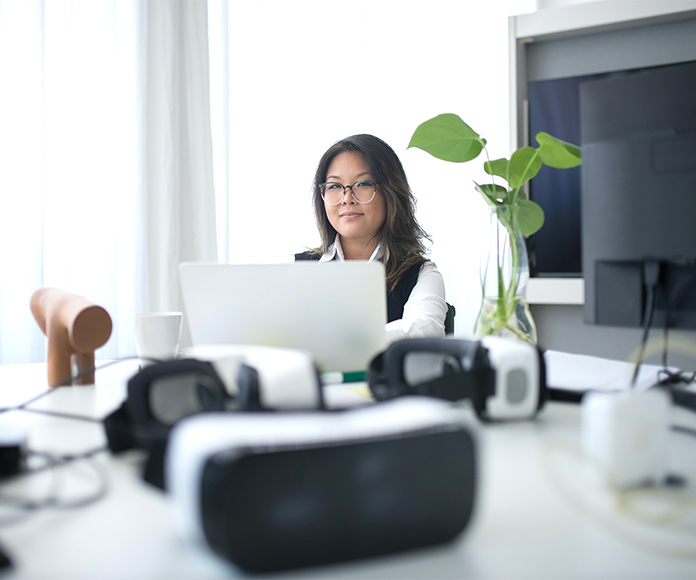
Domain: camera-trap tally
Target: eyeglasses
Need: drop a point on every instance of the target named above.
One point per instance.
(363, 191)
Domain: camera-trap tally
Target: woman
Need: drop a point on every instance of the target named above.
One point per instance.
(365, 211)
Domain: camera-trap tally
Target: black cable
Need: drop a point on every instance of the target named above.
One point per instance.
(651, 280)
(52, 499)
(672, 304)
(62, 415)
(679, 295)
(63, 384)
(671, 380)
(68, 381)
(34, 399)
(685, 430)
(30, 401)
(55, 461)
(667, 377)
(682, 397)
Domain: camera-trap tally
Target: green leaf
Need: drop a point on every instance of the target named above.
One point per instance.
(493, 194)
(449, 138)
(524, 164)
(499, 167)
(530, 216)
(557, 153)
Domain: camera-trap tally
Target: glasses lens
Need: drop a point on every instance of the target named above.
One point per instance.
(332, 193)
(364, 191)
(176, 396)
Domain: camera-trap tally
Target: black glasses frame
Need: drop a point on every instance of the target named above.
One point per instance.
(372, 183)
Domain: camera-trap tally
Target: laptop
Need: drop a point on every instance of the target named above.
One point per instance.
(336, 311)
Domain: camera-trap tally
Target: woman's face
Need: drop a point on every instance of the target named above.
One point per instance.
(357, 223)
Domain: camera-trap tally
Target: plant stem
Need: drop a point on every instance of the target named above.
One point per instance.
(505, 303)
(518, 333)
(514, 275)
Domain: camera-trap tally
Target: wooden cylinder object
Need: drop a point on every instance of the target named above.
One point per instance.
(75, 328)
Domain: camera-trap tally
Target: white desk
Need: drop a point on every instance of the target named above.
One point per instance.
(537, 514)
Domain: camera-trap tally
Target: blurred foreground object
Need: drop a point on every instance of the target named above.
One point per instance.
(75, 328)
(275, 491)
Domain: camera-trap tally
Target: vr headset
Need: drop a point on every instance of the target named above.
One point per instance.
(266, 378)
(504, 379)
(235, 378)
(278, 491)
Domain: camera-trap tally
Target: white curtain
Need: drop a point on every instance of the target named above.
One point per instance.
(105, 159)
(180, 197)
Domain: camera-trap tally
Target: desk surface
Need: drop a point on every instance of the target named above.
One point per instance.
(539, 514)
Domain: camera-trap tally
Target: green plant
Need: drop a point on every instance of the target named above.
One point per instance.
(449, 138)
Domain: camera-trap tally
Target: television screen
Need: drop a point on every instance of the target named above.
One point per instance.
(554, 107)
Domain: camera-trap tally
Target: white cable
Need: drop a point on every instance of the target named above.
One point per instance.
(670, 530)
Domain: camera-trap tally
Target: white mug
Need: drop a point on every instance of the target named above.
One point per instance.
(157, 335)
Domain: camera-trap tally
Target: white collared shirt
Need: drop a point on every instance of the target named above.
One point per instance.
(425, 309)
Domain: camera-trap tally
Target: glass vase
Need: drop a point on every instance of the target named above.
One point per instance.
(504, 276)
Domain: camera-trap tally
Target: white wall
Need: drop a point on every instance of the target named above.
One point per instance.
(543, 4)
(307, 73)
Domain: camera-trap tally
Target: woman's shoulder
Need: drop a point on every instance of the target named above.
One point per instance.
(428, 266)
(423, 266)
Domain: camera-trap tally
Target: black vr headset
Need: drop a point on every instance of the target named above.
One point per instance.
(504, 379)
(277, 491)
(238, 379)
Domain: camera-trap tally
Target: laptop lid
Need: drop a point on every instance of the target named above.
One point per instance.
(336, 310)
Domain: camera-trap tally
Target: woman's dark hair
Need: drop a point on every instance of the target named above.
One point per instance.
(401, 236)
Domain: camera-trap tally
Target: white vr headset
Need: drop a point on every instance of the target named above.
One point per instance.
(265, 377)
(224, 378)
(504, 379)
(273, 491)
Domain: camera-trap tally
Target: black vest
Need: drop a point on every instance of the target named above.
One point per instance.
(395, 298)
